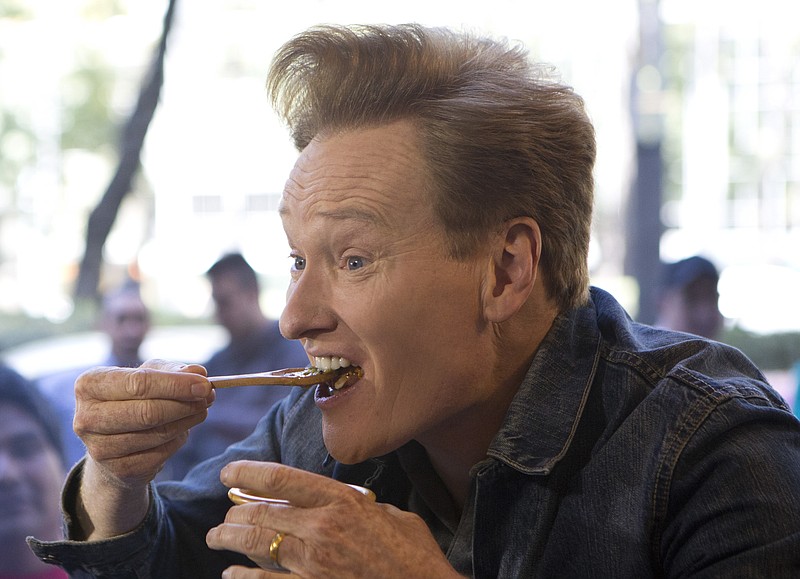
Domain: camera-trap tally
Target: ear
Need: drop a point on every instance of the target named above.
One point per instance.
(513, 268)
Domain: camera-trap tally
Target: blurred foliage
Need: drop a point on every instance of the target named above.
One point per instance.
(20, 329)
(87, 117)
(769, 352)
(14, 9)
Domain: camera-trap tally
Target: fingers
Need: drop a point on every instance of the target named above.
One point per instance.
(133, 419)
(250, 540)
(106, 446)
(300, 488)
(109, 383)
(237, 572)
(320, 511)
(134, 415)
(256, 542)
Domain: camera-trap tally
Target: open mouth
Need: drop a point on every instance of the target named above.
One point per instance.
(345, 374)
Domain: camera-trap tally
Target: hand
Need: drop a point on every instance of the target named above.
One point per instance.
(330, 530)
(131, 421)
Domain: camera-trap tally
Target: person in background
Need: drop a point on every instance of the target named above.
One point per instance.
(254, 344)
(689, 299)
(32, 471)
(511, 420)
(124, 319)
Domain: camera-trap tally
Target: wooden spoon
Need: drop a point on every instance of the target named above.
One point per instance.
(304, 377)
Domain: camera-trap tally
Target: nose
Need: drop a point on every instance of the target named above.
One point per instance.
(309, 310)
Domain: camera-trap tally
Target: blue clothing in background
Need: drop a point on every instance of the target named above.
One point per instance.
(60, 390)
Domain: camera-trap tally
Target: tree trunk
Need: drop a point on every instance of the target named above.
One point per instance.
(102, 217)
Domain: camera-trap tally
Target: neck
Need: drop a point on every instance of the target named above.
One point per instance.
(464, 440)
(127, 359)
(258, 322)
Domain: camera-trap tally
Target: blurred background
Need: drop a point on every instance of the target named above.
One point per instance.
(136, 140)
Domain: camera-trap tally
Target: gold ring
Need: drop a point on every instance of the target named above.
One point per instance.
(273, 549)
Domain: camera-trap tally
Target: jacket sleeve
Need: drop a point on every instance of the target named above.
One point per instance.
(170, 541)
(731, 500)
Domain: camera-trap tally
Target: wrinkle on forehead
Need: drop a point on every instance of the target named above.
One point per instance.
(359, 175)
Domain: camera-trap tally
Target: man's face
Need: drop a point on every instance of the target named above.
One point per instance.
(700, 301)
(694, 309)
(30, 477)
(234, 305)
(126, 320)
(371, 282)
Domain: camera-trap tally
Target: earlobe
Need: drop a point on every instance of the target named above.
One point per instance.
(513, 269)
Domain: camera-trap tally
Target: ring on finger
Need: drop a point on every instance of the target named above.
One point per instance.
(273, 553)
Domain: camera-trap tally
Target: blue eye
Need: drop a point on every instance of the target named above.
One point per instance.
(299, 263)
(355, 263)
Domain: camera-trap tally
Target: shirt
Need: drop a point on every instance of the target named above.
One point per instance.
(628, 451)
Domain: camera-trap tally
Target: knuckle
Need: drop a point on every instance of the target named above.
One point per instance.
(79, 426)
(278, 479)
(148, 414)
(86, 384)
(252, 540)
(253, 515)
(136, 382)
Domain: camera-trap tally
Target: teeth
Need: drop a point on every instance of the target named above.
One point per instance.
(325, 363)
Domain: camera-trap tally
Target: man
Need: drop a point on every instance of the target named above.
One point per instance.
(31, 474)
(689, 299)
(125, 320)
(509, 422)
(255, 345)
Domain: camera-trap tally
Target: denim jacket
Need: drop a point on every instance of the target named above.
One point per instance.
(628, 451)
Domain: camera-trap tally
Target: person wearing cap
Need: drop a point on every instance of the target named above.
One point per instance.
(689, 300)
(31, 474)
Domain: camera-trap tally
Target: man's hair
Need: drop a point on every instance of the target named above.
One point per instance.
(236, 266)
(128, 287)
(500, 139)
(22, 393)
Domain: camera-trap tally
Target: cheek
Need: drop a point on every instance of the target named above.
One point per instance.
(423, 327)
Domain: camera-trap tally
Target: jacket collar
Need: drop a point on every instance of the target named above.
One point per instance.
(544, 414)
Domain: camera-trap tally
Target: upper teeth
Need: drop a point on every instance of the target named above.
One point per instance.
(330, 362)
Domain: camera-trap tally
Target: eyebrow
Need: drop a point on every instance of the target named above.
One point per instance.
(348, 214)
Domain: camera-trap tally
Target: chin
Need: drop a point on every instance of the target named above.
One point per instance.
(343, 450)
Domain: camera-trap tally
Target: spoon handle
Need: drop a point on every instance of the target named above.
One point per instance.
(286, 377)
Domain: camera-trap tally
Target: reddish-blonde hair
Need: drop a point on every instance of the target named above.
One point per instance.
(501, 138)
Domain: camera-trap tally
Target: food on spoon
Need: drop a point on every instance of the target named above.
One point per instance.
(335, 378)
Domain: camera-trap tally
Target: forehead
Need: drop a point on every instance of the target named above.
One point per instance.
(125, 303)
(370, 174)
